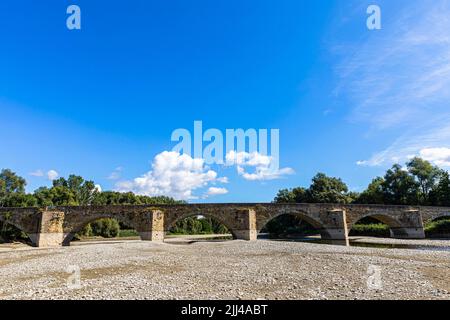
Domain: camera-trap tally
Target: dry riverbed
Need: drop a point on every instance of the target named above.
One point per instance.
(224, 270)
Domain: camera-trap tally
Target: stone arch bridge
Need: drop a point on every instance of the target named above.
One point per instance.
(57, 225)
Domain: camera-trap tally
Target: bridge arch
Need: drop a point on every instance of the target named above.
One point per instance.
(395, 226)
(171, 223)
(77, 226)
(314, 222)
(445, 214)
(30, 236)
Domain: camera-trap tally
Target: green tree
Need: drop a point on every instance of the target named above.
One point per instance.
(373, 194)
(285, 196)
(11, 186)
(400, 187)
(326, 189)
(2, 187)
(441, 193)
(43, 197)
(83, 191)
(55, 196)
(20, 200)
(323, 189)
(426, 176)
(295, 195)
(11, 182)
(66, 192)
(118, 198)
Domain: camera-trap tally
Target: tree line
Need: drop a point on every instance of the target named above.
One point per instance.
(72, 191)
(418, 183)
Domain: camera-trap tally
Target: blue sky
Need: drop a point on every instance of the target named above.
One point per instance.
(103, 101)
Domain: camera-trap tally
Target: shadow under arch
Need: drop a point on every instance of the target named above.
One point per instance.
(396, 230)
(196, 214)
(68, 237)
(317, 225)
(27, 237)
(440, 216)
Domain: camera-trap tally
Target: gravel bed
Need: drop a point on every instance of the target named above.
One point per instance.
(418, 242)
(223, 270)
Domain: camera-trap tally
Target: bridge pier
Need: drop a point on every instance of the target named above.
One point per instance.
(411, 226)
(407, 233)
(248, 235)
(50, 230)
(335, 226)
(152, 229)
(334, 234)
(247, 221)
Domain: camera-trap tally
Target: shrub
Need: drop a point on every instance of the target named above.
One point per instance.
(221, 229)
(86, 232)
(198, 225)
(285, 225)
(106, 228)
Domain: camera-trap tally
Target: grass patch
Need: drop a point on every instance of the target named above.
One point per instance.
(371, 230)
(128, 233)
(189, 233)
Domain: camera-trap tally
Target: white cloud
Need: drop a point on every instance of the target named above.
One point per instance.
(409, 145)
(212, 191)
(223, 180)
(37, 173)
(116, 174)
(172, 175)
(98, 188)
(52, 175)
(263, 165)
(438, 156)
(398, 79)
